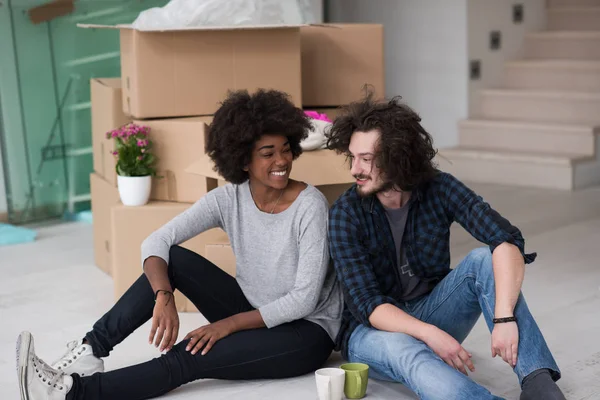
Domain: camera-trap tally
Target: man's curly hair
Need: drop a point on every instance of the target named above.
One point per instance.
(404, 152)
(240, 122)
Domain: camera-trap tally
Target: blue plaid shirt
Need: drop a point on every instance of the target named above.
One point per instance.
(364, 254)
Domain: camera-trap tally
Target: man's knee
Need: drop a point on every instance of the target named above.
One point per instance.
(480, 261)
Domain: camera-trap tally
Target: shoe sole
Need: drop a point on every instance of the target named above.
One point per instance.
(23, 346)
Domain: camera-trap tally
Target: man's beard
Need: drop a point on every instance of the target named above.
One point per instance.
(381, 187)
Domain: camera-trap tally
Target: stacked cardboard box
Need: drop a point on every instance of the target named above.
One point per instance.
(177, 142)
(338, 60)
(173, 81)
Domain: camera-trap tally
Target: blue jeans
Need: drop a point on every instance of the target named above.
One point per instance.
(454, 306)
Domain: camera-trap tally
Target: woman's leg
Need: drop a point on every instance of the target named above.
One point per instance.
(287, 350)
(215, 293)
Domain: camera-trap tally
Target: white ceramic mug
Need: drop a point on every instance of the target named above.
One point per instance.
(330, 383)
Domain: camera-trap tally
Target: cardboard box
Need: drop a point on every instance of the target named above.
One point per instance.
(107, 114)
(333, 192)
(325, 169)
(338, 60)
(187, 72)
(177, 143)
(104, 196)
(220, 254)
(131, 225)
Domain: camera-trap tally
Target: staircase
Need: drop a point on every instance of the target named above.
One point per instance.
(541, 128)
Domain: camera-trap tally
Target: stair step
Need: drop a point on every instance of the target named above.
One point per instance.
(574, 19)
(577, 108)
(569, 140)
(569, 45)
(556, 75)
(519, 168)
(573, 3)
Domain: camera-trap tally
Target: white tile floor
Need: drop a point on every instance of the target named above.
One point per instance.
(51, 288)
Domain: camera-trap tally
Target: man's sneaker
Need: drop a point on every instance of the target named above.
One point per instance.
(37, 380)
(79, 359)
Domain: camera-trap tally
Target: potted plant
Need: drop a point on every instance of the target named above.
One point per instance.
(135, 163)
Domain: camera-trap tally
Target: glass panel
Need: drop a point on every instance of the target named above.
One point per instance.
(46, 139)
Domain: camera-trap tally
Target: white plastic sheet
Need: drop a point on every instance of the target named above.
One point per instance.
(198, 13)
(317, 138)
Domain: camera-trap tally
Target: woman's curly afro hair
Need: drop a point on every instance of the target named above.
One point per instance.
(405, 150)
(240, 122)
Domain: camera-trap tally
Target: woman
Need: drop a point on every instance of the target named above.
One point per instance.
(278, 318)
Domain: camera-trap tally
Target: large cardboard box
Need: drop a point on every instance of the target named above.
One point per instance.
(107, 114)
(177, 143)
(220, 254)
(187, 72)
(104, 196)
(131, 225)
(338, 60)
(325, 169)
(333, 192)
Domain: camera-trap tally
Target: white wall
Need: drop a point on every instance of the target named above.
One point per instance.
(315, 9)
(485, 16)
(426, 59)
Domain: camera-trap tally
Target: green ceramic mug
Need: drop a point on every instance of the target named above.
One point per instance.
(357, 377)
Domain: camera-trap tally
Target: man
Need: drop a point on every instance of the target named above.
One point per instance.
(406, 311)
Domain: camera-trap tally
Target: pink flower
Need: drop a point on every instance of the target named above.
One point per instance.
(114, 153)
(143, 150)
(140, 158)
(316, 115)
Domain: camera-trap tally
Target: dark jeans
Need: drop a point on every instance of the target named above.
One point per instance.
(288, 350)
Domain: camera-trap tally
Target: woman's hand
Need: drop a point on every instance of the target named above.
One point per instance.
(208, 335)
(165, 322)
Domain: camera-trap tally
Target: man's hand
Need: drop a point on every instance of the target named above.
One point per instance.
(449, 350)
(165, 322)
(209, 335)
(505, 342)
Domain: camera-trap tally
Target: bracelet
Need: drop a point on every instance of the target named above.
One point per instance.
(165, 291)
(505, 319)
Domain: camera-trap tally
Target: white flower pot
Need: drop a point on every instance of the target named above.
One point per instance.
(134, 190)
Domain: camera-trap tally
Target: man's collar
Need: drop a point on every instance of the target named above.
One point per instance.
(368, 203)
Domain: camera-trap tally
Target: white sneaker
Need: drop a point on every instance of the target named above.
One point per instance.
(79, 359)
(37, 380)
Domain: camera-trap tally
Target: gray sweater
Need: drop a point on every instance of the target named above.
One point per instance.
(282, 260)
